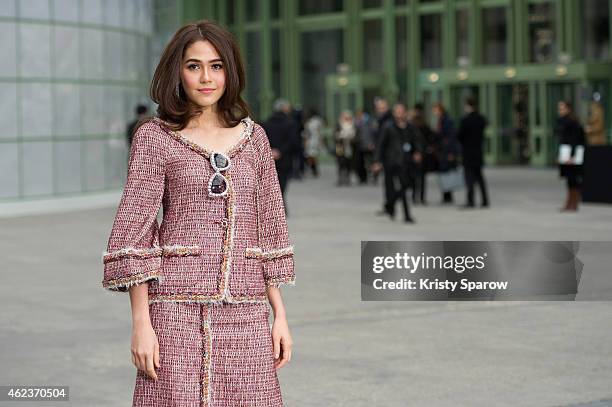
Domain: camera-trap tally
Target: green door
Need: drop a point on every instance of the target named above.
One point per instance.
(512, 123)
(350, 92)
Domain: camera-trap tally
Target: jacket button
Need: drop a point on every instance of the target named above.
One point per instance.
(225, 222)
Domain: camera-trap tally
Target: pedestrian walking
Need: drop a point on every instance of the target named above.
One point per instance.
(384, 118)
(471, 136)
(448, 150)
(365, 146)
(313, 140)
(399, 149)
(345, 139)
(571, 137)
(201, 284)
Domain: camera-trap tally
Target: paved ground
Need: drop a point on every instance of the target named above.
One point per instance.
(58, 326)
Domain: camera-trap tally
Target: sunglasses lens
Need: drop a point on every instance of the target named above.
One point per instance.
(221, 161)
(218, 184)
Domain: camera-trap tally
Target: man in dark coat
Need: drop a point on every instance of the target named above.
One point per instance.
(471, 136)
(141, 112)
(399, 149)
(280, 129)
(384, 118)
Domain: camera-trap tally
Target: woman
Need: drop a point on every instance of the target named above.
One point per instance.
(345, 140)
(448, 146)
(201, 282)
(570, 135)
(313, 139)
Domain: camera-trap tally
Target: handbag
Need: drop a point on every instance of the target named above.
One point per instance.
(451, 180)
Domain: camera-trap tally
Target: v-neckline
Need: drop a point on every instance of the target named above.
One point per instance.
(245, 135)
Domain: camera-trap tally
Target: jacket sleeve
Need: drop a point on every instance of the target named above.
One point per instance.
(276, 249)
(133, 255)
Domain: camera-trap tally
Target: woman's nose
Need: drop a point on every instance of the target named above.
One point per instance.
(205, 75)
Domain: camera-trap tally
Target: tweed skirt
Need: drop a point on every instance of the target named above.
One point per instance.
(211, 355)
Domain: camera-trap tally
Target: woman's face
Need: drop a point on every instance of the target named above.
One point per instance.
(203, 74)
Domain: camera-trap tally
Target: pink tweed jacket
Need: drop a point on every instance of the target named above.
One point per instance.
(208, 248)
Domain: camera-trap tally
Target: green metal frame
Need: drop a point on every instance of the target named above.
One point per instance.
(432, 85)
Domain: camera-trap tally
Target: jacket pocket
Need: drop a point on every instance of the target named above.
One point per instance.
(178, 250)
(253, 253)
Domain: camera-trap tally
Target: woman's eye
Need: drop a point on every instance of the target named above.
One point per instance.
(217, 67)
(190, 67)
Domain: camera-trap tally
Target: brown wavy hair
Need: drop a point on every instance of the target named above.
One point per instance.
(175, 108)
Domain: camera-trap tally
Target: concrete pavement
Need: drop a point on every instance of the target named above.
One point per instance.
(59, 327)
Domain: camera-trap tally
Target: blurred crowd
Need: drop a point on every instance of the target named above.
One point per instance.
(398, 144)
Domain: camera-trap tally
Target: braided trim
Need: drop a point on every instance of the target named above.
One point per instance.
(123, 284)
(278, 281)
(206, 360)
(245, 136)
(180, 250)
(207, 298)
(147, 253)
(257, 252)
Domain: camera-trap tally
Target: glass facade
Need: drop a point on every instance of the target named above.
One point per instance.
(373, 60)
(276, 62)
(252, 59)
(401, 56)
(596, 22)
(73, 70)
(462, 35)
(372, 3)
(494, 36)
(71, 75)
(542, 37)
(253, 10)
(275, 9)
(321, 52)
(230, 11)
(435, 50)
(431, 40)
(319, 6)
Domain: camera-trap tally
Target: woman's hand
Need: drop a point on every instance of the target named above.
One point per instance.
(145, 349)
(282, 342)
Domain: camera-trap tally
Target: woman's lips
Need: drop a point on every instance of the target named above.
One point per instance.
(206, 90)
